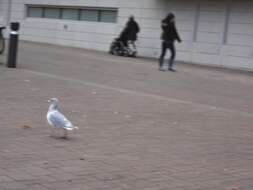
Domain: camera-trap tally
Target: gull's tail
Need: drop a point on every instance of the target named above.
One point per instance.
(71, 128)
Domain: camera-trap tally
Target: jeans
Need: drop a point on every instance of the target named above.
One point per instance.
(168, 45)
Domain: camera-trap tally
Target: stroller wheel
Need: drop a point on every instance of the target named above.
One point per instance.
(115, 52)
(134, 54)
(125, 53)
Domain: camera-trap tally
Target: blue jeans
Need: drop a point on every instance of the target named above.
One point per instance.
(168, 45)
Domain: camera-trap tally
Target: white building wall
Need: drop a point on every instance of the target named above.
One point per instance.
(238, 52)
(3, 12)
(210, 25)
(214, 32)
(91, 35)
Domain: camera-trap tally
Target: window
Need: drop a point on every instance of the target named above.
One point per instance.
(73, 13)
(35, 12)
(52, 13)
(89, 15)
(108, 16)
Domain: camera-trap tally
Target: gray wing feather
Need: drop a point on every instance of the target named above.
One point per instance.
(59, 120)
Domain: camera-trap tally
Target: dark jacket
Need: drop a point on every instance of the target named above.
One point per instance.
(132, 28)
(123, 37)
(169, 31)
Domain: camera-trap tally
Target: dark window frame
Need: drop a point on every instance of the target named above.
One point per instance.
(100, 16)
(28, 12)
(78, 14)
(79, 9)
(59, 14)
(97, 20)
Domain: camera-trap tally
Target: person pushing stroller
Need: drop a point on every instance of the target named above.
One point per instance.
(125, 43)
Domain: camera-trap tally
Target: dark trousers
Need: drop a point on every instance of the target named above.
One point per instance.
(168, 45)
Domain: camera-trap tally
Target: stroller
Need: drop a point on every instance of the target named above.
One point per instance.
(122, 48)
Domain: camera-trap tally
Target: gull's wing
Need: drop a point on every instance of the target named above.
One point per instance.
(58, 120)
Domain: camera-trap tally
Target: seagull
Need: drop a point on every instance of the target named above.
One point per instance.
(57, 120)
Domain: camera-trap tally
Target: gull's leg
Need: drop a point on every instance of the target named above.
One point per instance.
(52, 132)
(65, 133)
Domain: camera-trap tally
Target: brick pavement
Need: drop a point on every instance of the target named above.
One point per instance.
(139, 128)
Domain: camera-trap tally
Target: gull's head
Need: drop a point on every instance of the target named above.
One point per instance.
(53, 100)
(54, 103)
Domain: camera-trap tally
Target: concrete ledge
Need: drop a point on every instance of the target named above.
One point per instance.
(219, 67)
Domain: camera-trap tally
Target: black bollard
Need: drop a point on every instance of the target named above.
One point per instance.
(13, 45)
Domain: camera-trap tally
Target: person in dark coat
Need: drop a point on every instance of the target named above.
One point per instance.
(129, 33)
(133, 29)
(169, 35)
(123, 37)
